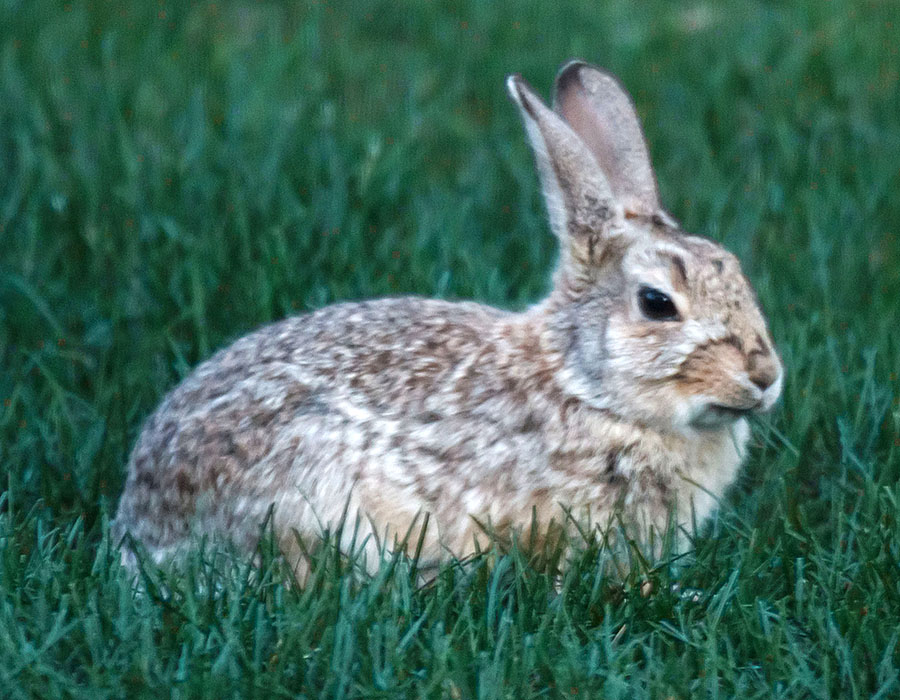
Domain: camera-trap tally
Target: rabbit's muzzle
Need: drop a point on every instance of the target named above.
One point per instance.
(758, 399)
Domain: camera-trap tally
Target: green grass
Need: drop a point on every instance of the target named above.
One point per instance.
(173, 175)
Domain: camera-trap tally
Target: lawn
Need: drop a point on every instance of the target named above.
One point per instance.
(173, 175)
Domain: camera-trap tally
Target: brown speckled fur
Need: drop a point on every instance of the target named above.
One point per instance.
(392, 408)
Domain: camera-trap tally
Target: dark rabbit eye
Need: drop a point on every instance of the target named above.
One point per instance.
(656, 305)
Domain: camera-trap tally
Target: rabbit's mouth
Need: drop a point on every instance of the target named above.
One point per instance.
(716, 415)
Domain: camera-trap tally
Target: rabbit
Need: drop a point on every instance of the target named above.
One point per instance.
(624, 393)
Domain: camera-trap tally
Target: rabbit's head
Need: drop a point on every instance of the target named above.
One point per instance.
(655, 325)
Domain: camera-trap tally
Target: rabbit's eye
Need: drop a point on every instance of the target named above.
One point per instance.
(656, 305)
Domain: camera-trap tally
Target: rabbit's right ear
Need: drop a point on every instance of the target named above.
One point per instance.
(579, 198)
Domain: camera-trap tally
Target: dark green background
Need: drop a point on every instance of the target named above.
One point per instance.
(173, 175)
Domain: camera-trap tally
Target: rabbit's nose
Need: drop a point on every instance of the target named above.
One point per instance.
(763, 370)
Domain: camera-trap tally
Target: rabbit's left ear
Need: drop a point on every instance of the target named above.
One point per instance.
(599, 110)
(579, 198)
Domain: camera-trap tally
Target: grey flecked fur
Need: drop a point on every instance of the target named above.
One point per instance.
(397, 407)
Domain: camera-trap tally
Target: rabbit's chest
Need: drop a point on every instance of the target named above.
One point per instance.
(600, 463)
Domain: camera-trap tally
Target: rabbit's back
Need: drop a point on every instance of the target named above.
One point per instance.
(300, 412)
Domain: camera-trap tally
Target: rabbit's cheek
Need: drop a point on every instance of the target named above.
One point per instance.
(641, 353)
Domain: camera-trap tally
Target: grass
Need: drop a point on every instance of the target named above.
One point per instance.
(173, 175)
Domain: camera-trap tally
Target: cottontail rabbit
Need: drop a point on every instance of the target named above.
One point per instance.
(626, 390)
